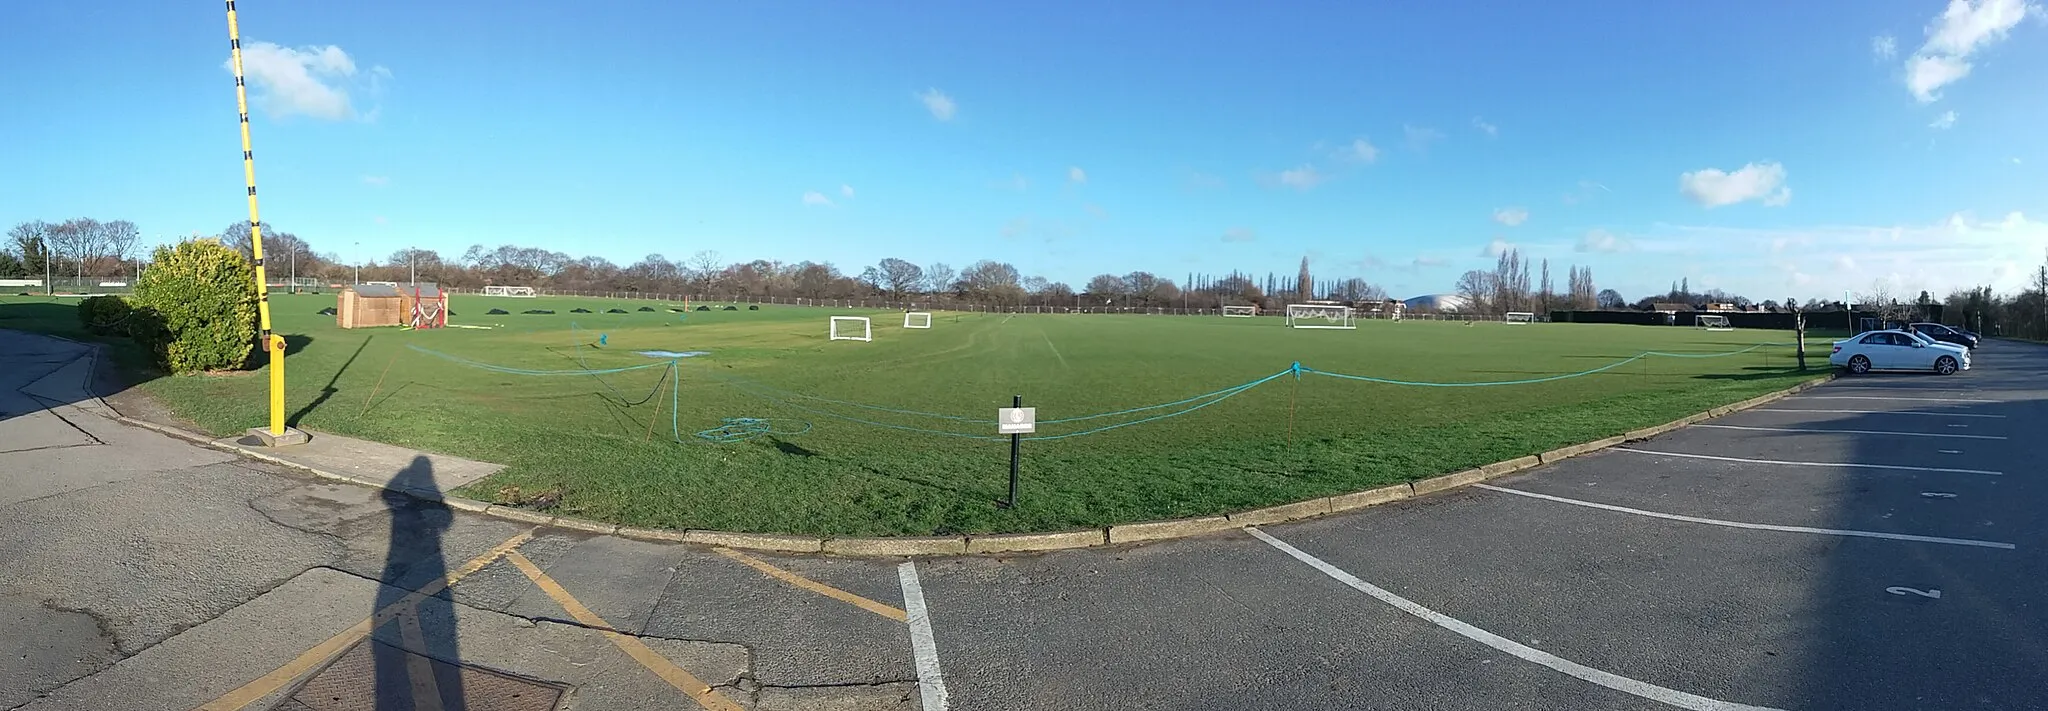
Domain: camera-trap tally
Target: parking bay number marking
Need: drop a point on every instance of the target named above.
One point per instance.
(1931, 594)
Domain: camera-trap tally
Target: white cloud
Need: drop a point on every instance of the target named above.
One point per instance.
(1845, 263)
(1884, 47)
(1496, 247)
(311, 81)
(1301, 177)
(1945, 121)
(1489, 129)
(1419, 137)
(846, 191)
(1359, 150)
(1952, 252)
(1511, 216)
(2015, 160)
(1429, 261)
(1239, 234)
(1077, 175)
(1603, 242)
(937, 102)
(1963, 29)
(814, 197)
(1712, 187)
(376, 181)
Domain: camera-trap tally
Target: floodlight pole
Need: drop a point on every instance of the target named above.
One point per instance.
(272, 344)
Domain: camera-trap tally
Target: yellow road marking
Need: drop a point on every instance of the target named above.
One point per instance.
(893, 613)
(683, 681)
(324, 651)
(426, 691)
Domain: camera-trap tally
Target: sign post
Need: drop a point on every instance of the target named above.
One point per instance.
(1015, 421)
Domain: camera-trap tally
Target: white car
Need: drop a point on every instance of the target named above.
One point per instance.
(1898, 350)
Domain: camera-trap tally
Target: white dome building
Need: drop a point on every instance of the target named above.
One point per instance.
(1441, 303)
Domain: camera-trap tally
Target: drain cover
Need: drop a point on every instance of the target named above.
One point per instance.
(349, 683)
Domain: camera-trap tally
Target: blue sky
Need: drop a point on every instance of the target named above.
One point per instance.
(1766, 148)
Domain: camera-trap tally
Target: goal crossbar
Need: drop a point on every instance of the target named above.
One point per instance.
(1240, 311)
(1713, 322)
(917, 319)
(526, 291)
(1519, 317)
(851, 328)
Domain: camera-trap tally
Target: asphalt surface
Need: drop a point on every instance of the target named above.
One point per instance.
(138, 571)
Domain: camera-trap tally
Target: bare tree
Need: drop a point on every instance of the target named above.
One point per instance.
(1105, 287)
(1477, 288)
(1880, 299)
(1548, 294)
(1304, 284)
(704, 270)
(939, 277)
(32, 241)
(897, 277)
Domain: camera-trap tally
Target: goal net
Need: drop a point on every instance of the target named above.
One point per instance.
(1240, 311)
(1519, 317)
(1713, 322)
(917, 319)
(851, 328)
(1319, 316)
(508, 291)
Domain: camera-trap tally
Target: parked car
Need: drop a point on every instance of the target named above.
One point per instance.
(1898, 350)
(1946, 334)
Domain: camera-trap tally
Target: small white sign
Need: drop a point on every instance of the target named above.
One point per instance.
(1017, 420)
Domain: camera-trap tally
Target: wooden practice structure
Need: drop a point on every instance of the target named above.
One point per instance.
(421, 305)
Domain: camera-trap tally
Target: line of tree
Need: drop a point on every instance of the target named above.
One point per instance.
(72, 248)
(1507, 288)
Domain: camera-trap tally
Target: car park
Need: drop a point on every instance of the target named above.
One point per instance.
(1898, 350)
(1945, 334)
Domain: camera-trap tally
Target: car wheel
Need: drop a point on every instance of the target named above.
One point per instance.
(1945, 365)
(1859, 365)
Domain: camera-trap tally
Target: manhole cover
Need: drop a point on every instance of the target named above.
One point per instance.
(349, 683)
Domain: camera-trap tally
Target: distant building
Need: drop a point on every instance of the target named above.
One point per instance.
(1436, 302)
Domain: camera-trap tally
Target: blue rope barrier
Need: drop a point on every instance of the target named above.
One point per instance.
(740, 429)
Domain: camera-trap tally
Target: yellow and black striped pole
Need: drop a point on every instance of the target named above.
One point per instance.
(271, 343)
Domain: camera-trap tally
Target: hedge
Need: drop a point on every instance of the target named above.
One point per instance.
(196, 307)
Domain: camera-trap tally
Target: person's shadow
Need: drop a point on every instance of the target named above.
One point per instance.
(414, 560)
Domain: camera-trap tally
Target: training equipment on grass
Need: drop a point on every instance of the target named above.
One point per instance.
(851, 328)
(497, 312)
(1713, 322)
(615, 311)
(1519, 317)
(1240, 311)
(525, 291)
(539, 312)
(648, 309)
(1335, 316)
(917, 319)
(369, 305)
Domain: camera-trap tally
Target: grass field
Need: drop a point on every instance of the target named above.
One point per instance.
(843, 468)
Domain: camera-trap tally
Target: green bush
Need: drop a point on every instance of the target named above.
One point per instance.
(197, 307)
(103, 314)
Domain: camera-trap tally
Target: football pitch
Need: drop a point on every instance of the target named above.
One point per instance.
(769, 426)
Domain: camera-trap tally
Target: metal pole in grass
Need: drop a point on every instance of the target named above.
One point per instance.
(1015, 421)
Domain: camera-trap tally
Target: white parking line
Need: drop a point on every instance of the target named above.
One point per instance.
(1901, 399)
(930, 684)
(1653, 692)
(1881, 412)
(1813, 430)
(1754, 526)
(1781, 462)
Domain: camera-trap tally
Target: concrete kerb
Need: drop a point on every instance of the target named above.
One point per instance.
(1027, 542)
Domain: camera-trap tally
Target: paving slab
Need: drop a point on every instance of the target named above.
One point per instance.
(371, 461)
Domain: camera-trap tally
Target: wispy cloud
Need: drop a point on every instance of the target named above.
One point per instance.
(1496, 247)
(1016, 182)
(1426, 261)
(1964, 28)
(846, 191)
(1945, 121)
(813, 197)
(1712, 187)
(1604, 242)
(1076, 175)
(1511, 216)
(1586, 191)
(1239, 235)
(1884, 47)
(376, 181)
(308, 81)
(1300, 177)
(1419, 137)
(1359, 150)
(938, 103)
(1198, 180)
(1489, 129)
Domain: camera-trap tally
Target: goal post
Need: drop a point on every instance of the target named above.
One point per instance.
(1519, 317)
(525, 291)
(1319, 316)
(851, 328)
(1713, 322)
(1240, 311)
(917, 319)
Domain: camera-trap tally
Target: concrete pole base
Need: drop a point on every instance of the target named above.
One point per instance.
(263, 436)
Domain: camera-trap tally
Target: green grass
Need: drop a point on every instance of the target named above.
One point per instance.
(606, 440)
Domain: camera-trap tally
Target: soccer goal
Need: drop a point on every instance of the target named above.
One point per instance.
(1240, 311)
(1319, 316)
(852, 328)
(526, 291)
(1519, 317)
(917, 319)
(1713, 322)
